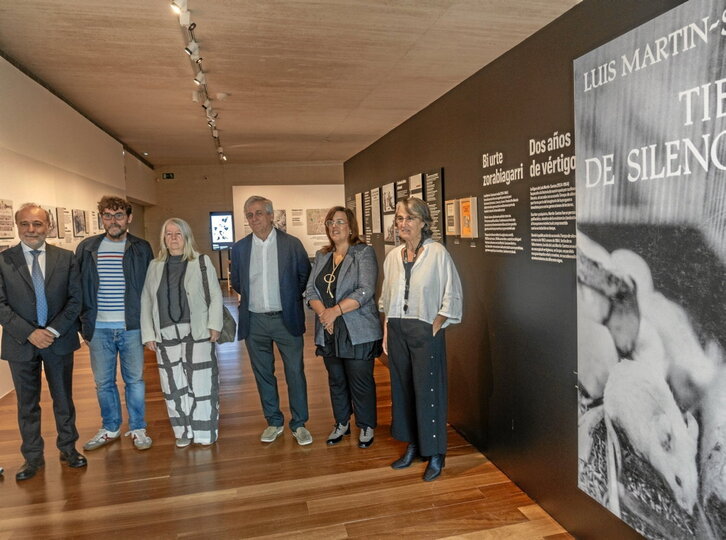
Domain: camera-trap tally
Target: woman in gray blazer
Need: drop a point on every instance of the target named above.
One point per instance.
(348, 333)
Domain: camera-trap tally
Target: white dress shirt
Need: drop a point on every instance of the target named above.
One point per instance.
(264, 275)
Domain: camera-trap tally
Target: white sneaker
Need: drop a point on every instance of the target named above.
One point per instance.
(365, 439)
(303, 436)
(271, 433)
(141, 440)
(102, 438)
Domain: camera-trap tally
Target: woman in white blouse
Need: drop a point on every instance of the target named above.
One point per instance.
(421, 296)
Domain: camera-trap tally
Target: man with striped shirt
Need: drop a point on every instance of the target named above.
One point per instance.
(113, 270)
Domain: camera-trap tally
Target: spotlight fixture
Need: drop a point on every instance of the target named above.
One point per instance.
(185, 19)
(224, 158)
(220, 150)
(179, 6)
(215, 133)
(211, 123)
(212, 115)
(195, 96)
(207, 104)
(200, 78)
(192, 48)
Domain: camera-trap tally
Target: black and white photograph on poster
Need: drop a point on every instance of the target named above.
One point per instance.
(433, 188)
(650, 128)
(53, 220)
(390, 234)
(389, 198)
(280, 220)
(79, 222)
(376, 227)
(7, 219)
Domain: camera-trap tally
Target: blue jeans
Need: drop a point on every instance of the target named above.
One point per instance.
(106, 344)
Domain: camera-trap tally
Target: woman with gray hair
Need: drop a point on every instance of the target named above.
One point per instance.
(421, 296)
(181, 318)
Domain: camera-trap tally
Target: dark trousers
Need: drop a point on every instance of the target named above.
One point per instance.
(266, 329)
(352, 389)
(417, 361)
(27, 381)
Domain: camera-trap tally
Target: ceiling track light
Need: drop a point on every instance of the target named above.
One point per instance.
(207, 104)
(192, 48)
(185, 19)
(220, 150)
(200, 78)
(179, 6)
(222, 157)
(215, 133)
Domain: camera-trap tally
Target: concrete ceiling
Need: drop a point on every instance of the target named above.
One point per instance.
(307, 80)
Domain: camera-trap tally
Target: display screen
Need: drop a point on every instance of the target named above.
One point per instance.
(221, 227)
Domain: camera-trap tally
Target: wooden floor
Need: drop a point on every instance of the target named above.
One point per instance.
(241, 487)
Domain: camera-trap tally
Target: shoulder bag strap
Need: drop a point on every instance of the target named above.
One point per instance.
(205, 281)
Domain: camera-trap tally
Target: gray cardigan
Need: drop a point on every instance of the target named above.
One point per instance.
(356, 280)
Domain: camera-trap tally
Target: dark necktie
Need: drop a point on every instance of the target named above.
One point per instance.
(41, 304)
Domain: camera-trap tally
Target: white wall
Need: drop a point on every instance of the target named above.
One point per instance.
(52, 155)
(289, 198)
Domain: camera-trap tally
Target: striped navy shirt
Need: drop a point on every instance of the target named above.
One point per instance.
(112, 286)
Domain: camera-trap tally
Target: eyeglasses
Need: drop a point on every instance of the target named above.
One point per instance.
(118, 216)
(407, 219)
(338, 222)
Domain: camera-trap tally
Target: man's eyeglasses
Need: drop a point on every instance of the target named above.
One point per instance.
(118, 216)
(338, 222)
(407, 219)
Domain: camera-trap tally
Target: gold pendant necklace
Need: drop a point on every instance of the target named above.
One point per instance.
(330, 278)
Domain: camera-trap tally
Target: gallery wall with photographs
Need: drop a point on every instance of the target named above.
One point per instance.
(585, 190)
(65, 175)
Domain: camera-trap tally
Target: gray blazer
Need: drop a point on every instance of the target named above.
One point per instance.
(357, 280)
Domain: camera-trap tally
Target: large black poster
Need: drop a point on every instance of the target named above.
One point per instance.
(650, 112)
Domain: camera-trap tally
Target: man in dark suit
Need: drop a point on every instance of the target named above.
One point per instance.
(270, 271)
(40, 300)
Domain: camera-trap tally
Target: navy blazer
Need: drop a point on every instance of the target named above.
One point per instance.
(17, 302)
(293, 271)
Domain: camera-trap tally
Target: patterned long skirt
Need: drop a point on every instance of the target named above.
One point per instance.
(189, 377)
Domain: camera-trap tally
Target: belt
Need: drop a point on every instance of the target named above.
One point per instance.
(268, 313)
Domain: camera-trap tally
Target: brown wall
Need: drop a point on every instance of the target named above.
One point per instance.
(512, 362)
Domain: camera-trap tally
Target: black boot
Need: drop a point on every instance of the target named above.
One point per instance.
(434, 468)
(407, 458)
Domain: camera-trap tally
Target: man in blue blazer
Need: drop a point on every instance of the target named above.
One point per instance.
(270, 271)
(40, 300)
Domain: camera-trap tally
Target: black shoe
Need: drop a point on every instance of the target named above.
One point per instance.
(434, 468)
(28, 470)
(407, 458)
(74, 459)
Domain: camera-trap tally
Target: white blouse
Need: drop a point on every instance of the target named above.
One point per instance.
(435, 286)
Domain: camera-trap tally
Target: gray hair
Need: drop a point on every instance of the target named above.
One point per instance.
(190, 246)
(27, 205)
(257, 198)
(416, 207)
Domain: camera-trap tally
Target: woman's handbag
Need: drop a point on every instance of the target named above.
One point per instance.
(228, 333)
